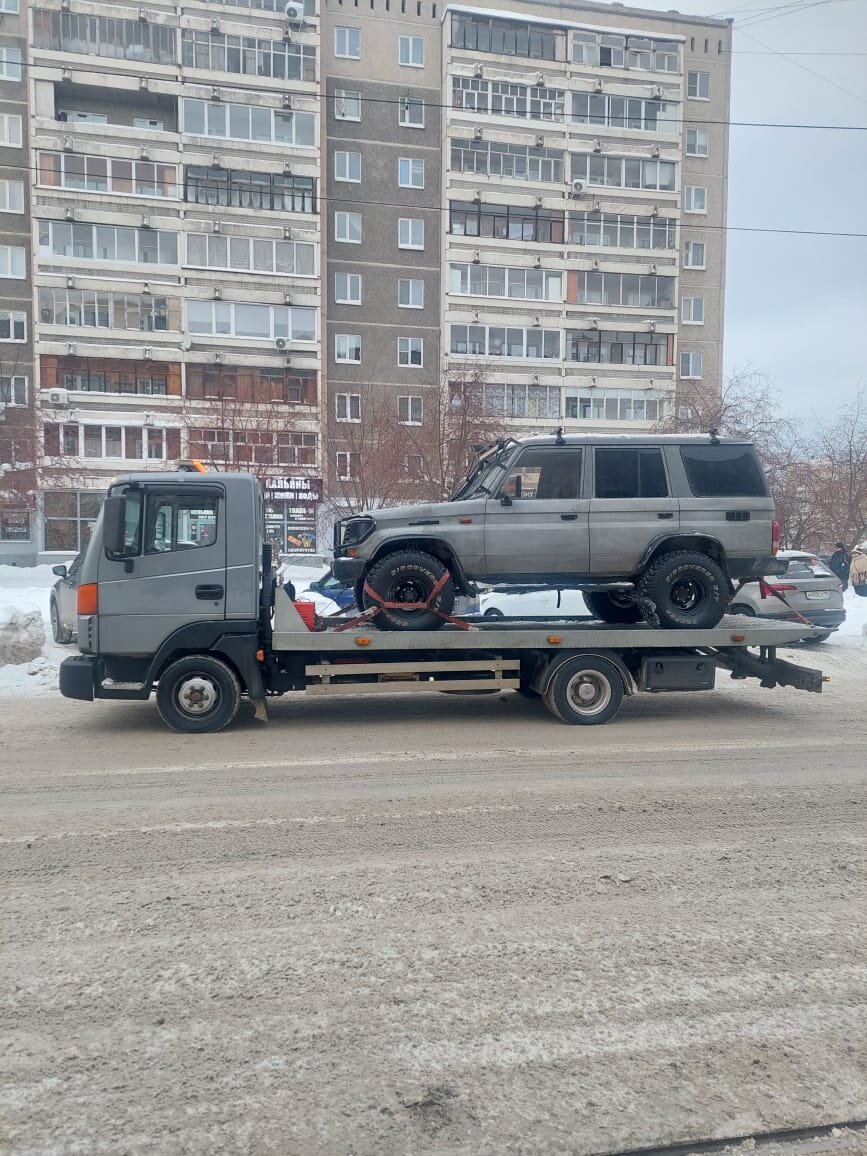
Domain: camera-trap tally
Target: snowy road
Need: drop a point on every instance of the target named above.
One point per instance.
(437, 926)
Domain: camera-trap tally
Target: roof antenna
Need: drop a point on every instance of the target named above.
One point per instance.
(559, 440)
(714, 436)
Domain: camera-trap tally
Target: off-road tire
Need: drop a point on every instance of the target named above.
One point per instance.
(690, 590)
(58, 631)
(181, 678)
(610, 607)
(409, 576)
(585, 691)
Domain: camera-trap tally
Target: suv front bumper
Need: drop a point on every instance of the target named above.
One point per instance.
(348, 570)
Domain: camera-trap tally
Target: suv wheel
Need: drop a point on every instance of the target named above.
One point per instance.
(58, 631)
(688, 590)
(612, 607)
(410, 576)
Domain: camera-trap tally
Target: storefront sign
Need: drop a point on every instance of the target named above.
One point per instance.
(14, 525)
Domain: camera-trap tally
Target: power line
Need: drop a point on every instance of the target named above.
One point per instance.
(804, 68)
(791, 10)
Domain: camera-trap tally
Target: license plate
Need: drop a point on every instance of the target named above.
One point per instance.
(818, 595)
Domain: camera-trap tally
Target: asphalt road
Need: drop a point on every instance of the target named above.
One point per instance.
(440, 925)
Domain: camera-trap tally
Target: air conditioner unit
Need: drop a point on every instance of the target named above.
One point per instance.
(58, 396)
(576, 189)
(280, 342)
(294, 12)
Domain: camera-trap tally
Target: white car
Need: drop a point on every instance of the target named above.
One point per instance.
(302, 569)
(533, 604)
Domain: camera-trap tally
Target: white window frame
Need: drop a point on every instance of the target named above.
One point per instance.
(14, 317)
(6, 197)
(409, 222)
(689, 198)
(10, 67)
(688, 310)
(11, 130)
(344, 95)
(406, 404)
(276, 247)
(702, 81)
(347, 407)
(10, 6)
(342, 159)
(345, 337)
(407, 105)
(347, 471)
(219, 115)
(700, 146)
(405, 352)
(342, 230)
(10, 257)
(15, 383)
(407, 46)
(343, 42)
(415, 165)
(351, 278)
(222, 320)
(689, 261)
(410, 284)
(690, 366)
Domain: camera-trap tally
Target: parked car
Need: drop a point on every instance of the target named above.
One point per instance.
(302, 569)
(540, 603)
(808, 586)
(329, 589)
(63, 602)
(643, 524)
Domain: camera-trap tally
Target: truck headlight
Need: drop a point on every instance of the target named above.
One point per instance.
(355, 530)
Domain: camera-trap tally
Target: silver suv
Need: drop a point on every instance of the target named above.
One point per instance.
(647, 526)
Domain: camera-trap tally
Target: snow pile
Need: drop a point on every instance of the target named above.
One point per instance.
(856, 618)
(22, 632)
(28, 658)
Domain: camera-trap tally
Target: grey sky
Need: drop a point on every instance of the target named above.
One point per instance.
(796, 307)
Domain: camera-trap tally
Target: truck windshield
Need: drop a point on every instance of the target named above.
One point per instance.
(485, 477)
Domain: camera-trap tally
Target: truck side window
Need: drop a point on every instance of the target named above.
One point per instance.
(724, 471)
(179, 522)
(622, 473)
(546, 474)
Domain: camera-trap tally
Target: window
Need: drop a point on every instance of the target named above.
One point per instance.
(693, 255)
(348, 465)
(630, 289)
(597, 108)
(410, 173)
(13, 326)
(695, 199)
(347, 348)
(14, 524)
(696, 142)
(622, 231)
(246, 319)
(505, 341)
(74, 117)
(239, 189)
(116, 243)
(9, 6)
(148, 125)
(506, 222)
(698, 85)
(410, 293)
(347, 227)
(13, 391)
(624, 172)
(411, 113)
(107, 36)
(347, 288)
(96, 174)
(618, 347)
(413, 467)
(410, 351)
(545, 475)
(249, 122)
(692, 310)
(69, 518)
(723, 471)
(251, 254)
(411, 51)
(347, 43)
(98, 309)
(618, 405)
(132, 443)
(348, 406)
(10, 129)
(505, 98)
(347, 104)
(512, 161)
(309, 6)
(248, 55)
(690, 366)
(409, 410)
(179, 522)
(10, 63)
(608, 50)
(347, 166)
(11, 196)
(94, 375)
(292, 387)
(13, 262)
(499, 281)
(622, 473)
(521, 401)
(505, 37)
(410, 233)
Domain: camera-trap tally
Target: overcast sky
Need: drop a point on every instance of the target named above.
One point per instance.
(796, 306)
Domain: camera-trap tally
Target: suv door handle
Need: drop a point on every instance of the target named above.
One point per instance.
(568, 517)
(209, 593)
(665, 514)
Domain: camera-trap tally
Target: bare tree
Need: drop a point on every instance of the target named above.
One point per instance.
(748, 407)
(840, 473)
(18, 445)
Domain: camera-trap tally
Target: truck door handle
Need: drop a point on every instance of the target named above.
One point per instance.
(568, 517)
(209, 593)
(665, 514)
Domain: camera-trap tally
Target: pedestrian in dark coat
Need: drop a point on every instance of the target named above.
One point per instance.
(840, 562)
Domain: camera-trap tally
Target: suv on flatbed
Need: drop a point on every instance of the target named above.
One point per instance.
(648, 526)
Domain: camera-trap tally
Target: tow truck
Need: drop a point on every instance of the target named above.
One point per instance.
(177, 597)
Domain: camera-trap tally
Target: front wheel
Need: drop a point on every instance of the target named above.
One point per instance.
(688, 589)
(585, 691)
(198, 694)
(610, 606)
(409, 577)
(58, 631)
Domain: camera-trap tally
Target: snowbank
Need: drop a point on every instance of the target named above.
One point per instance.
(856, 619)
(28, 658)
(22, 633)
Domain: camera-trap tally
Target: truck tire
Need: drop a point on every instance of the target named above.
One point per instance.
(58, 631)
(612, 607)
(409, 576)
(688, 589)
(585, 691)
(198, 694)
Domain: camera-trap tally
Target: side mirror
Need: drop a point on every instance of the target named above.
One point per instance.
(60, 571)
(113, 523)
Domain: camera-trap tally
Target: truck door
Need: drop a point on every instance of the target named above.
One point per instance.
(631, 507)
(172, 571)
(536, 525)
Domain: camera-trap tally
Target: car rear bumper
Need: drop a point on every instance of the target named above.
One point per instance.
(830, 619)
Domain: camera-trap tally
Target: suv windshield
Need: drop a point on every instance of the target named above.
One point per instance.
(485, 477)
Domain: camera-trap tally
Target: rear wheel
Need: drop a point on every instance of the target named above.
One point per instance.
(688, 589)
(410, 576)
(740, 608)
(198, 694)
(494, 612)
(585, 691)
(58, 631)
(610, 606)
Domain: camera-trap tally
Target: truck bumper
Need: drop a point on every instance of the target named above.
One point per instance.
(80, 677)
(348, 570)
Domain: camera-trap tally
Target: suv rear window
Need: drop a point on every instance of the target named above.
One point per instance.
(623, 473)
(723, 472)
(807, 568)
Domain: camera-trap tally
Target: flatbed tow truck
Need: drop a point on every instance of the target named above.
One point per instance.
(177, 596)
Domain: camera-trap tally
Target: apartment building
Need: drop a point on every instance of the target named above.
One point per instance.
(585, 150)
(176, 249)
(17, 415)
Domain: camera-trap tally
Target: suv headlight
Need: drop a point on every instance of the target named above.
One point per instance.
(351, 531)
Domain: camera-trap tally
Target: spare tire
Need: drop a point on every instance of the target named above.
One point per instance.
(611, 607)
(688, 589)
(409, 576)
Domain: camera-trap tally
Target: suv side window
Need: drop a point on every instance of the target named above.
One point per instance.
(546, 473)
(723, 472)
(630, 473)
(179, 522)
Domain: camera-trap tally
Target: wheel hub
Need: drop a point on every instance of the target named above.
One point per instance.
(687, 594)
(408, 590)
(197, 695)
(589, 691)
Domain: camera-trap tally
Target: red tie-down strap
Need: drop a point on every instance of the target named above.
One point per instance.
(381, 604)
(767, 591)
